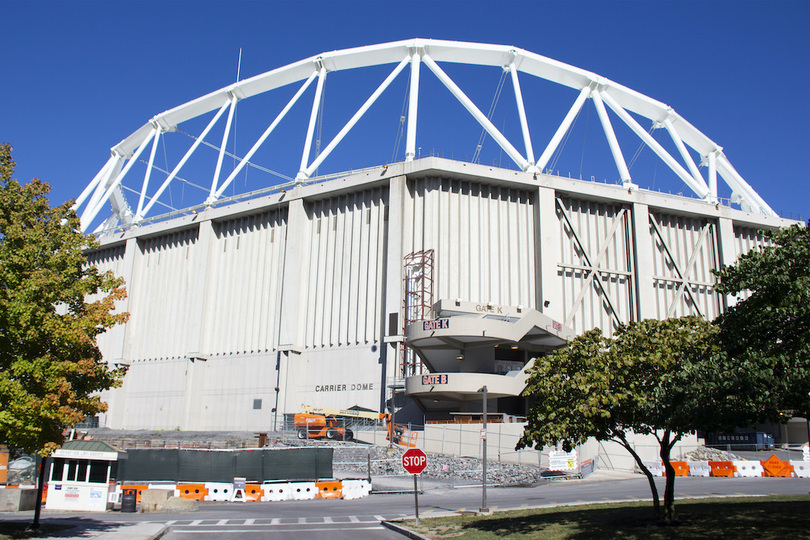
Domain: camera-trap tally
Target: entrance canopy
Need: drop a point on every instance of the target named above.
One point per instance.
(461, 349)
(462, 326)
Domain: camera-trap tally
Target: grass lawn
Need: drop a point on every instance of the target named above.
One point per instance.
(777, 517)
(22, 529)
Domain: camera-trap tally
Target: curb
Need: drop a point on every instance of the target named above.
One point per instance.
(403, 531)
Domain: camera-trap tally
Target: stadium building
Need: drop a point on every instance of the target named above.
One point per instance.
(426, 277)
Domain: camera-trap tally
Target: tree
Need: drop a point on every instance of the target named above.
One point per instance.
(50, 367)
(767, 334)
(645, 380)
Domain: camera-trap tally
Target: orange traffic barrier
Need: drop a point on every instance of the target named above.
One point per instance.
(330, 489)
(195, 492)
(773, 466)
(722, 468)
(253, 492)
(681, 468)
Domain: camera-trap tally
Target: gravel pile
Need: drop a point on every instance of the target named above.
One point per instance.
(704, 453)
(459, 470)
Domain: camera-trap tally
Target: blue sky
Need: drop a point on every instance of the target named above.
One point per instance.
(78, 77)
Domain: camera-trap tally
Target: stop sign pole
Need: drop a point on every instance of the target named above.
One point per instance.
(414, 461)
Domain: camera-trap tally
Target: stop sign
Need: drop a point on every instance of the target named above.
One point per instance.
(414, 461)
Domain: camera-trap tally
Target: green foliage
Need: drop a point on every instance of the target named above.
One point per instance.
(644, 379)
(50, 366)
(767, 334)
(647, 379)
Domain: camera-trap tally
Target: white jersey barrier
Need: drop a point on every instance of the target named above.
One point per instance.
(267, 492)
(699, 468)
(218, 491)
(277, 491)
(656, 468)
(748, 469)
(303, 491)
(801, 469)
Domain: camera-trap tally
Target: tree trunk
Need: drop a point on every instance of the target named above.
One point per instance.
(40, 489)
(653, 488)
(669, 489)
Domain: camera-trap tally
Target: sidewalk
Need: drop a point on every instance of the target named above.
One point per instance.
(83, 528)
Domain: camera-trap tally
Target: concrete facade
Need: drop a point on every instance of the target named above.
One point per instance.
(245, 312)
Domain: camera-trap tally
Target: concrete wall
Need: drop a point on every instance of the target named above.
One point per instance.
(296, 298)
(17, 500)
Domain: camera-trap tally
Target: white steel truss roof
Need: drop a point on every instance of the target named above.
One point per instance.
(106, 187)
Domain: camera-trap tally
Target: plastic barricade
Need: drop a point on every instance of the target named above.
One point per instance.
(356, 489)
(774, 466)
(277, 491)
(722, 468)
(699, 468)
(681, 468)
(655, 467)
(747, 469)
(801, 469)
(329, 489)
(195, 492)
(218, 491)
(253, 492)
(302, 491)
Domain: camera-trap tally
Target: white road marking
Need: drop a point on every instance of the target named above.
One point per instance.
(295, 529)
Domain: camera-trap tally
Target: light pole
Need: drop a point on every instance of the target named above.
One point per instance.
(484, 509)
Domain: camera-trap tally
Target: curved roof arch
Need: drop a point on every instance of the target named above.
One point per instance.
(132, 197)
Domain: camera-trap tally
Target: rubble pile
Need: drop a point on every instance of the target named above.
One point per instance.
(385, 461)
(704, 453)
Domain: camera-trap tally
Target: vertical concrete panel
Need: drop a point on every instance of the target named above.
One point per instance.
(296, 261)
(163, 299)
(644, 263)
(685, 251)
(242, 286)
(116, 260)
(400, 210)
(596, 264)
(482, 237)
(345, 250)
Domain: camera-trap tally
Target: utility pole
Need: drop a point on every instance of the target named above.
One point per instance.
(484, 509)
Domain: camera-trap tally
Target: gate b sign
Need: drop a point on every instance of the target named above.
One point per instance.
(414, 461)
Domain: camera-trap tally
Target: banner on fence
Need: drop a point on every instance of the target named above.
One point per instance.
(562, 461)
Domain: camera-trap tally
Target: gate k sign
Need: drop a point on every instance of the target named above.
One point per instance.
(414, 461)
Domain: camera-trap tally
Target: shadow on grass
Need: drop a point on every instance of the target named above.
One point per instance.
(781, 519)
(54, 528)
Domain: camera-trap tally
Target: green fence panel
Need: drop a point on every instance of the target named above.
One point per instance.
(216, 466)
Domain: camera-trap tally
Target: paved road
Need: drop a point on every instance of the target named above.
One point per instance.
(355, 519)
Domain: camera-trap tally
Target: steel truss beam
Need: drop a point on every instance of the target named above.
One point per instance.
(622, 101)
